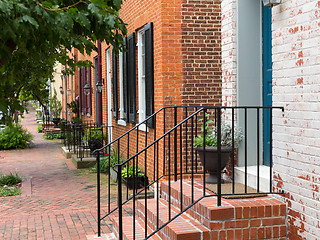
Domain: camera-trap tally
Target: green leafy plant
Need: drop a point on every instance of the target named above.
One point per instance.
(6, 191)
(73, 106)
(39, 128)
(130, 172)
(15, 137)
(55, 105)
(211, 135)
(52, 136)
(10, 185)
(10, 179)
(94, 134)
(104, 162)
(76, 120)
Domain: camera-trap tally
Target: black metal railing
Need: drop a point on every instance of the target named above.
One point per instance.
(173, 148)
(82, 138)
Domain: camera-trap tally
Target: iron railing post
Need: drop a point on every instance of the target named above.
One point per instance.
(120, 201)
(175, 146)
(219, 154)
(204, 130)
(98, 193)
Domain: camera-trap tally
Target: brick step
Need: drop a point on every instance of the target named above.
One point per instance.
(108, 236)
(247, 215)
(128, 228)
(183, 227)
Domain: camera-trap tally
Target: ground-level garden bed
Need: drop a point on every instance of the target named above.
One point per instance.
(10, 185)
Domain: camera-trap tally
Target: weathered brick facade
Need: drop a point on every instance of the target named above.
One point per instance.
(296, 86)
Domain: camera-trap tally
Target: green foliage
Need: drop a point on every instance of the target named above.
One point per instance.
(6, 191)
(39, 128)
(36, 34)
(104, 162)
(211, 135)
(10, 179)
(73, 106)
(129, 172)
(52, 136)
(76, 120)
(14, 137)
(55, 105)
(94, 134)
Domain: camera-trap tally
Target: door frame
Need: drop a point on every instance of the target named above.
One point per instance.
(109, 94)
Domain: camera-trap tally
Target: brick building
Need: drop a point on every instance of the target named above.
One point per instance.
(270, 56)
(173, 59)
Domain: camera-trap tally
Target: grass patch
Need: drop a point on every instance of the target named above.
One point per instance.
(52, 136)
(10, 185)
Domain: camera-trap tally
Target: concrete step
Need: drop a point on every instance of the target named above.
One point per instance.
(128, 228)
(182, 228)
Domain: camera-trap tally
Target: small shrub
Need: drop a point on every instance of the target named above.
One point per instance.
(128, 172)
(52, 136)
(6, 191)
(104, 162)
(95, 134)
(10, 179)
(14, 137)
(39, 128)
(10, 185)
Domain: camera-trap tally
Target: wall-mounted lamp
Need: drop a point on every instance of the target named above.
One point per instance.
(99, 87)
(61, 89)
(87, 89)
(271, 3)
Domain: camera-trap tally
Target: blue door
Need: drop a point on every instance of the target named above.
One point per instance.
(267, 81)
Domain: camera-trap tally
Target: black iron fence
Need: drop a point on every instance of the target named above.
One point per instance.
(187, 142)
(84, 137)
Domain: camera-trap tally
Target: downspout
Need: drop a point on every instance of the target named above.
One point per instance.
(99, 79)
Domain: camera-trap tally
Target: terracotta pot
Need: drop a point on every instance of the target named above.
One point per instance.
(212, 160)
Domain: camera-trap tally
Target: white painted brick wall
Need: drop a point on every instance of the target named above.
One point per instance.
(296, 85)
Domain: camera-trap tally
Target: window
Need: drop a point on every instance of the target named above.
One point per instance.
(121, 121)
(141, 76)
(127, 77)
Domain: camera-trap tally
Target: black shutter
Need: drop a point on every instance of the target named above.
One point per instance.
(125, 82)
(149, 71)
(115, 85)
(132, 78)
(90, 94)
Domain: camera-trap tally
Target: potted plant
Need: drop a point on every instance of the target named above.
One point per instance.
(211, 149)
(133, 179)
(56, 108)
(95, 138)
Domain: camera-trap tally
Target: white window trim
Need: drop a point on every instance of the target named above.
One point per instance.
(141, 83)
(121, 95)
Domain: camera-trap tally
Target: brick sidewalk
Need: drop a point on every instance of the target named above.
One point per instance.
(62, 204)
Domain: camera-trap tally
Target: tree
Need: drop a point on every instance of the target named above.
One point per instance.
(35, 34)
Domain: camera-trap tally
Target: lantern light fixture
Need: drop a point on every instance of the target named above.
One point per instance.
(271, 3)
(87, 89)
(99, 87)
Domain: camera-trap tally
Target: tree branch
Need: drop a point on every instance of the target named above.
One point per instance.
(60, 9)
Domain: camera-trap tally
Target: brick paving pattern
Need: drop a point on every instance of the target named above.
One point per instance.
(62, 204)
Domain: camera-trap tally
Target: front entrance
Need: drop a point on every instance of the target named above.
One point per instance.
(254, 79)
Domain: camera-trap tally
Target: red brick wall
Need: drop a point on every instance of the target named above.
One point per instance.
(187, 59)
(201, 52)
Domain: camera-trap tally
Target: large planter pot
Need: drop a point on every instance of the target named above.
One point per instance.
(212, 160)
(94, 144)
(138, 182)
(56, 122)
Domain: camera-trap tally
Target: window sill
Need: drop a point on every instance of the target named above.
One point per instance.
(122, 123)
(143, 127)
